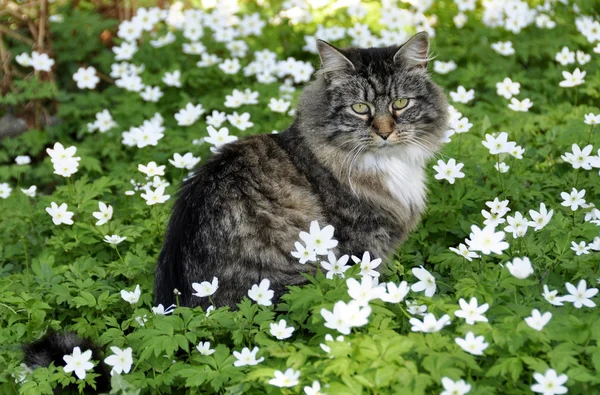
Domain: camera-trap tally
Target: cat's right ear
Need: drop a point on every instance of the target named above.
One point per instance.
(332, 59)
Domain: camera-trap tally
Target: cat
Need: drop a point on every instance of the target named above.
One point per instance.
(354, 158)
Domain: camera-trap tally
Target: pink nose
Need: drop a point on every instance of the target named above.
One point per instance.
(383, 126)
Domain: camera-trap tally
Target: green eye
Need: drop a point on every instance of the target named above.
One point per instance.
(399, 104)
(360, 108)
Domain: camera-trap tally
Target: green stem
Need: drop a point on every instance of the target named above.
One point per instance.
(590, 135)
(500, 177)
(120, 257)
(459, 143)
(405, 312)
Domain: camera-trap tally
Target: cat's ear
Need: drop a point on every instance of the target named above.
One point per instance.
(332, 59)
(414, 52)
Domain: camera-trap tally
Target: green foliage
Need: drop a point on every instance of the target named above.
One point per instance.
(67, 278)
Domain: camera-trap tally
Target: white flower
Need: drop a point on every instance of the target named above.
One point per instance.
(426, 283)
(187, 161)
(565, 57)
(28, 192)
(520, 268)
(23, 59)
(86, 78)
(163, 40)
(204, 348)
(287, 379)
(429, 324)
(240, 121)
(151, 169)
(23, 160)
(582, 57)
(160, 309)
(218, 138)
(41, 62)
(395, 293)
(133, 296)
(496, 145)
(346, 316)
(247, 357)
(281, 330)
(459, 387)
(537, 320)
(540, 219)
(572, 79)
(5, 191)
(157, 196)
(58, 153)
(552, 296)
(279, 105)
(188, 115)
(579, 158)
(121, 360)
(335, 266)
(261, 294)
(581, 295)
(550, 383)
(216, 118)
(487, 240)
(462, 95)
(104, 215)
(574, 199)
(125, 51)
(507, 88)
(304, 254)
(78, 362)
(151, 93)
(205, 288)
(66, 167)
(365, 291)
(504, 48)
(230, 66)
(517, 225)
(414, 308)
(520, 106)
(463, 251)
(471, 312)
(320, 240)
(59, 214)
(501, 167)
(114, 239)
(314, 389)
(443, 67)
(471, 344)
(492, 219)
(581, 248)
(172, 79)
(448, 171)
(592, 119)
(498, 207)
(367, 266)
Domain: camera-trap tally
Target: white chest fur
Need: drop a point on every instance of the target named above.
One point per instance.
(402, 171)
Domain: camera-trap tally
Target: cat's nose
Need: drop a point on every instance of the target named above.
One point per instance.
(383, 126)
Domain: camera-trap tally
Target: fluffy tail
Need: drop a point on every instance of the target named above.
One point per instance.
(53, 346)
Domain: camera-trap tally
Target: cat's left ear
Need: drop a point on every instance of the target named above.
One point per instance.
(413, 53)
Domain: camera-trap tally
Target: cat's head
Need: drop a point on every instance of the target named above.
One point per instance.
(375, 99)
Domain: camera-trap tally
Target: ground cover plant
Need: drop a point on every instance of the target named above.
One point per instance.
(495, 292)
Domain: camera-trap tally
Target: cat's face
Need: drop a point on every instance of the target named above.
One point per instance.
(380, 98)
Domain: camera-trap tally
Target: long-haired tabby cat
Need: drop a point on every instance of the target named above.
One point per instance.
(353, 158)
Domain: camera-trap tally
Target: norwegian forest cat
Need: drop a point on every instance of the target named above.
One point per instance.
(354, 158)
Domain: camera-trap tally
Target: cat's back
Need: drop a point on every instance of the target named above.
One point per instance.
(237, 218)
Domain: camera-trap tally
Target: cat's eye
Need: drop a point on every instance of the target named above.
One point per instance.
(399, 104)
(360, 108)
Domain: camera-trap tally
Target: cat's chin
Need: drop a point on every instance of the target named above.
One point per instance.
(404, 151)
